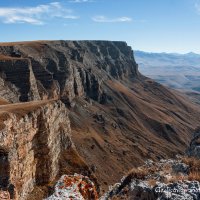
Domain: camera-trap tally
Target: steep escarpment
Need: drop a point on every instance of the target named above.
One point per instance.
(65, 69)
(118, 117)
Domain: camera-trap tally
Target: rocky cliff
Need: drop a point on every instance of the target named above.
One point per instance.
(118, 117)
(32, 136)
(64, 69)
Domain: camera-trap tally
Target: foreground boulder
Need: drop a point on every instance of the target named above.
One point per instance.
(75, 187)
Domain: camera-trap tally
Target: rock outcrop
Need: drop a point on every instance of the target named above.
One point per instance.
(164, 180)
(194, 148)
(33, 136)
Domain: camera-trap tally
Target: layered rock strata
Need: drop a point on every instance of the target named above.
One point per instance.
(64, 69)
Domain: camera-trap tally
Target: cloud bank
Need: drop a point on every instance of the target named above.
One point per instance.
(37, 15)
(104, 19)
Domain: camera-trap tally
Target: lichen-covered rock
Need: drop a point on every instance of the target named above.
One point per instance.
(74, 187)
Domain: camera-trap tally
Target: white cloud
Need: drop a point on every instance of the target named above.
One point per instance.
(104, 19)
(37, 15)
(80, 1)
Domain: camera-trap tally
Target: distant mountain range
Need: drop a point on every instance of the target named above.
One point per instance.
(179, 71)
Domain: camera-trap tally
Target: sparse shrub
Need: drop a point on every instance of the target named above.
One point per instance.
(194, 168)
(194, 175)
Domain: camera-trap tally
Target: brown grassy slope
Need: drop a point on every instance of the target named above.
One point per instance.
(3, 101)
(143, 120)
(3, 57)
(24, 43)
(20, 109)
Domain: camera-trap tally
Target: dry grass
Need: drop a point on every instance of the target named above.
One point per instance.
(167, 168)
(194, 168)
(71, 162)
(3, 101)
(137, 173)
(24, 42)
(38, 193)
(192, 162)
(151, 182)
(175, 179)
(142, 172)
(3, 57)
(23, 108)
(194, 175)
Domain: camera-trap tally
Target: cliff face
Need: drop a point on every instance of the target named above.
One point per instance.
(17, 80)
(65, 69)
(118, 117)
(33, 136)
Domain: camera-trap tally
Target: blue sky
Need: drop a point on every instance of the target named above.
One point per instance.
(149, 25)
